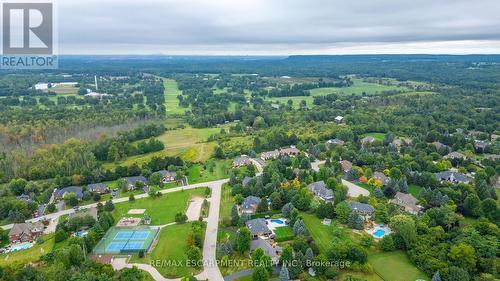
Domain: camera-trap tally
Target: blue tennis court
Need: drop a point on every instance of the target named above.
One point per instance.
(132, 235)
(127, 240)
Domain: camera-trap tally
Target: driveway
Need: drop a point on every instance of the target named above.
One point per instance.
(354, 190)
(194, 208)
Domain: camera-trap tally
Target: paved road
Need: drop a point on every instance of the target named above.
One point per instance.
(315, 165)
(56, 215)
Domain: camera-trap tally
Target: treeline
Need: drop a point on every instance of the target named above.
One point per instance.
(302, 89)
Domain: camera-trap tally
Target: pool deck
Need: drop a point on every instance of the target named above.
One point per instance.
(385, 228)
(273, 225)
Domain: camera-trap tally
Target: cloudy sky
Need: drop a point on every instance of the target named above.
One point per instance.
(278, 27)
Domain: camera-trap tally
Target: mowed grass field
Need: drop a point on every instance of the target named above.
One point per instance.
(22, 257)
(161, 209)
(359, 87)
(172, 246)
(171, 92)
(395, 266)
(64, 90)
(377, 136)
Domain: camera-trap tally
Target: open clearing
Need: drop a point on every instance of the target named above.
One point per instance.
(171, 101)
(161, 209)
(395, 266)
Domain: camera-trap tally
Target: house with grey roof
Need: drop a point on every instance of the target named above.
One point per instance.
(60, 192)
(332, 142)
(367, 140)
(269, 247)
(26, 231)
(98, 188)
(249, 205)
(361, 208)
(273, 154)
(381, 177)
(131, 182)
(339, 119)
(346, 165)
(289, 151)
(407, 202)
(455, 155)
(453, 177)
(441, 147)
(320, 190)
(481, 145)
(258, 227)
(246, 180)
(243, 160)
(167, 176)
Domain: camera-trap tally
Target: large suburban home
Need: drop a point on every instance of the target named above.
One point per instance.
(289, 151)
(24, 232)
(258, 228)
(243, 160)
(453, 177)
(455, 156)
(60, 192)
(273, 154)
(246, 180)
(439, 146)
(334, 142)
(98, 188)
(269, 247)
(381, 177)
(346, 165)
(398, 142)
(480, 145)
(167, 176)
(321, 191)
(407, 202)
(249, 205)
(131, 181)
(365, 210)
(89, 212)
(367, 140)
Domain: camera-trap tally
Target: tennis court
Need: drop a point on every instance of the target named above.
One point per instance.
(127, 240)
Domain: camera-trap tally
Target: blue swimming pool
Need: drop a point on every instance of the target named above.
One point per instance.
(379, 233)
(277, 221)
(21, 246)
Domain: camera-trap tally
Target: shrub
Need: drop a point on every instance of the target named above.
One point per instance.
(180, 218)
(387, 243)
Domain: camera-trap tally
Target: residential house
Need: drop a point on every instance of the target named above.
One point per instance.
(455, 156)
(339, 119)
(91, 212)
(131, 182)
(321, 191)
(381, 177)
(367, 140)
(24, 197)
(407, 202)
(59, 193)
(399, 142)
(453, 177)
(275, 106)
(289, 151)
(441, 147)
(249, 205)
(246, 180)
(270, 155)
(480, 145)
(167, 176)
(258, 228)
(270, 248)
(100, 188)
(243, 160)
(26, 231)
(346, 165)
(365, 210)
(334, 142)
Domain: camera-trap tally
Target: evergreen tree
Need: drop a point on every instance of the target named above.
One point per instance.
(356, 221)
(436, 277)
(235, 217)
(284, 275)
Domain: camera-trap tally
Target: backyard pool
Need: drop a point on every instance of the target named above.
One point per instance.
(22, 246)
(278, 221)
(379, 233)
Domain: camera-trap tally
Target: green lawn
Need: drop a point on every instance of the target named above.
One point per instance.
(322, 234)
(22, 257)
(227, 202)
(197, 172)
(161, 209)
(414, 190)
(395, 266)
(377, 136)
(283, 233)
(172, 246)
(171, 101)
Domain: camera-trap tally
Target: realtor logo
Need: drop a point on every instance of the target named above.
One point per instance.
(28, 35)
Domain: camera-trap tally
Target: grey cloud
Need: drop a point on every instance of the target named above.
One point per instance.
(153, 25)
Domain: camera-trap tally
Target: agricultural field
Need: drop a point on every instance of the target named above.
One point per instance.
(64, 89)
(160, 209)
(171, 102)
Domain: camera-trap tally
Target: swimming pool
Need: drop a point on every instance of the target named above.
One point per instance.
(278, 221)
(379, 233)
(22, 246)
